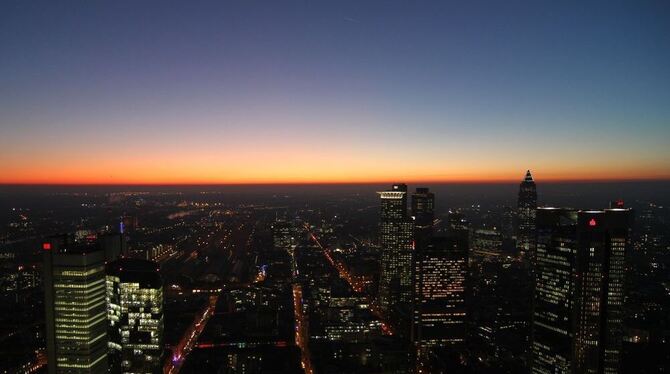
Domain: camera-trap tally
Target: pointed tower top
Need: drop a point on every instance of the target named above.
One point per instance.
(529, 177)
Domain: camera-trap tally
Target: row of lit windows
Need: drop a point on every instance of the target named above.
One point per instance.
(81, 366)
(79, 338)
(84, 318)
(77, 273)
(65, 284)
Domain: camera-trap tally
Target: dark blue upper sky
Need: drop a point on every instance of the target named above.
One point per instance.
(564, 87)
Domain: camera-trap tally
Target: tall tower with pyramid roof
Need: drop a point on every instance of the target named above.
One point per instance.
(526, 212)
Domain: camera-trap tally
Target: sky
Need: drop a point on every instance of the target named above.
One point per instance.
(144, 92)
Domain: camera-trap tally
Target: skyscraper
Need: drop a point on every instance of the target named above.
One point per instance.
(423, 211)
(603, 238)
(552, 329)
(76, 318)
(526, 206)
(439, 309)
(135, 314)
(396, 241)
(579, 290)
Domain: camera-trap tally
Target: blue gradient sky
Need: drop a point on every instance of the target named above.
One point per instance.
(193, 92)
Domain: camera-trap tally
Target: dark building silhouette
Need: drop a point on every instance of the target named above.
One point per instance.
(115, 245)
(128, 224)
(552, 324)
(579, 290)
(526, 206)
(439, 308)
(603, 238)
(459, 227)
(423, 211)
(135, 316)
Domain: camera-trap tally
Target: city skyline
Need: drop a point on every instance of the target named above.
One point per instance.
(324, 93)
(301, 187)
(230, 284)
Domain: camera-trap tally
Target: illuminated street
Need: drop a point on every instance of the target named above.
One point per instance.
(358, 287)
(301, 329)
(190, 338)
(271, 187)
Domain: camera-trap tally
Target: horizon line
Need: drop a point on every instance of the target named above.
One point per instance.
(328, 183)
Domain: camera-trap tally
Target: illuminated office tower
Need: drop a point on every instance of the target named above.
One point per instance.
(579, 290)
(603, 238)
(423, 211)
(396, 241)
(552, 322)
(76, 318)
(487, 241)
(135, 314)
(439, 309)
(526, 206)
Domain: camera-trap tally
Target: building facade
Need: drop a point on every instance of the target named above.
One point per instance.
(439, 305)
(135, 316)
(579, 290)
(75, 306)
(603, 239)
(396, 231)
(423, 211)
(552, 322)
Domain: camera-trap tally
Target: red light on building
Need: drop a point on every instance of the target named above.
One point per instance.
(46, 246)
(592, 222)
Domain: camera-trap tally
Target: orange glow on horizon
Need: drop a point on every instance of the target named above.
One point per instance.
(277, 165)
(353, 178)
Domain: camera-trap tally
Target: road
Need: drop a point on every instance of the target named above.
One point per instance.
(355, 285)
(301, 330)
(190, 338)
(214, 251)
